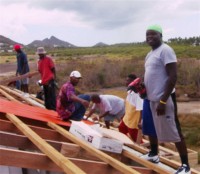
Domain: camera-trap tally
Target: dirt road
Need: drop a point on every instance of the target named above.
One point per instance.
(192, 107)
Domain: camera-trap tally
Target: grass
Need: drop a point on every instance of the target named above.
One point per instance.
(106, 67)
(7, 59)
(190, 124)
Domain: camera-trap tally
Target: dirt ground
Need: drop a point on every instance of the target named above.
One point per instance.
(192, 107)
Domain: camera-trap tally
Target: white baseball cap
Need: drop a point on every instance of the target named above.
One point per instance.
(76, 74)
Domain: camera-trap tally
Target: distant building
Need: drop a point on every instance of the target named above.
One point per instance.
(195, 44)
(56, 46)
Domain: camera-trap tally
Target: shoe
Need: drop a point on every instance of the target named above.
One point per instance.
(150, 157)
(184, 169)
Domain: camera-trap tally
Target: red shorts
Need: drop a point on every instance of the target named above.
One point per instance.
(126, 130)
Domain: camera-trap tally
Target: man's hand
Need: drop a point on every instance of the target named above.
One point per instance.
(95, 119)
(160, 109)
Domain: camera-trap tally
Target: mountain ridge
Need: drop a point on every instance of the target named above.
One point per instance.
(51, 42)
(7, 41)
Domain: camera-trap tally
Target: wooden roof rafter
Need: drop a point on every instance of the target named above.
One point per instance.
(112, 162)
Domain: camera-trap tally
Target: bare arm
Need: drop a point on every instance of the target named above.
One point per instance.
(171, 70)
(140, 121)
(80, 100)
(90, 113)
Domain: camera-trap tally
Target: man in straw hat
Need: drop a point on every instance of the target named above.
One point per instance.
(160, 79)
(46, 68)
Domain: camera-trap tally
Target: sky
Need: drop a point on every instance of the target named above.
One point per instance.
(87, 22)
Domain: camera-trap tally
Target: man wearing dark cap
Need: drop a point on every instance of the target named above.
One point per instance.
(22, 68)
(46, 68)
(160, 79)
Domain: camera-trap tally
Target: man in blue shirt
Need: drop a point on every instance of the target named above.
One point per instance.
(22, 67)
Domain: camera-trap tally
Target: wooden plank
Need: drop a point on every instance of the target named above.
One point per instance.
(67, 149)
(8, 96)
(161, 148)
(104, 157)
(36, 99)
(174, 155)
(169, 151)
(35, 160)
(145, 163)
(42, 132)
(171, 163)
(28, 121)
(127, 154)
(19, 95)
(54, 155)
(22, 142)
(30, 95)
(16, 141)
(14, 138)
(16, 94)
(15, 78)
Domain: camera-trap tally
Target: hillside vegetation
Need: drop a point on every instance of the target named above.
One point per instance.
(107, 66)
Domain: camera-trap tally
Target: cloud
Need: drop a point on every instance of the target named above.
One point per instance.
(84, 20)
(117, 13)
(100, 14)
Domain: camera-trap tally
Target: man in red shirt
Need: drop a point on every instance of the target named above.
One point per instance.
(46, 68)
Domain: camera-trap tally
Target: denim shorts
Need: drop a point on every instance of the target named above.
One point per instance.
(117, 116)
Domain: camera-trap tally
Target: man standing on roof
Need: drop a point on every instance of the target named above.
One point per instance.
(22, 68)
(46, 68)
(160, 79)
(111, 107)
(70, 106)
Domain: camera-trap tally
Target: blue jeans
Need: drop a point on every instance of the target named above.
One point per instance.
(79, 108)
